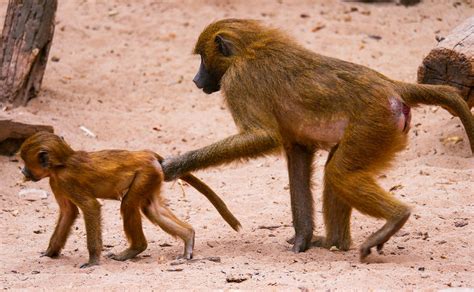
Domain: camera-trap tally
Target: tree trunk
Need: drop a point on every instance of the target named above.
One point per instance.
(13, 134)
(24, 47)
(451, 62)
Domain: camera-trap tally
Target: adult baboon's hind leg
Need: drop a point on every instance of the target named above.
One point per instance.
(350, 176)
(337, 221)
(337, 216)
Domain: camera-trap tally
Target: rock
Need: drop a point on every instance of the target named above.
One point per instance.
(460, 223)
(175, 270)
(333, 248)
(88, 132)
(236, 278)
(33, 194)
(213, 259)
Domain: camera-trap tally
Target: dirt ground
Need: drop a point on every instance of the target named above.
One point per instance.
(124, 72)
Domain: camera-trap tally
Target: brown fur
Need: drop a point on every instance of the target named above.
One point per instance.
(283, 96)
(79, 178)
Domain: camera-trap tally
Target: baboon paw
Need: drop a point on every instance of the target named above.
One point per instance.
(297, 248)
(316, 241)
(50, 254)
(117, 257)
(379, 248)
(343, 245)
(364, 252)
(110, 255)
(126, 254)
(301, 244)
(88, 265)
(186, 256)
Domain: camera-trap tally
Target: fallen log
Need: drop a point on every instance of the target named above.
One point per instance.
(451, 62)
(13, 134)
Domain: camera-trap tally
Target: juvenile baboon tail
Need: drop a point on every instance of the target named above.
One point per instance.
(215, 200)
(221, 207)
(445, 96)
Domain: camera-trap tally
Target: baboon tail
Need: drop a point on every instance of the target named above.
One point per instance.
(214, 199)
(445, 96)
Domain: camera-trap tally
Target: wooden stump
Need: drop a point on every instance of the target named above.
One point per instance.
(24, 46)
(451, 62)
(13, 134)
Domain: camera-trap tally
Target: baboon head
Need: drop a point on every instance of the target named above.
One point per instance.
(221, 44)
(41, 153)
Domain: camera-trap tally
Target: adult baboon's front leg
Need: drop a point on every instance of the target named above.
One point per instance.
(299, 168)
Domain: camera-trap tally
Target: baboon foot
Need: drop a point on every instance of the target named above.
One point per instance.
(50, 253)
(316, 241)
(126, 254)
(381, 236)
(89, 264)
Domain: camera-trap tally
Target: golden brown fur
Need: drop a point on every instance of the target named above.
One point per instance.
(79, 178)
(283, 96)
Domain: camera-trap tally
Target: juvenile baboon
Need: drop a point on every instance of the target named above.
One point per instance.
(79, 178)
(283, 96)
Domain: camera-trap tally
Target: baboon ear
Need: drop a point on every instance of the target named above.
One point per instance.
(224, 45)
(43, 158)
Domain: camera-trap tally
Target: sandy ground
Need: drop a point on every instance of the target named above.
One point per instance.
(125, 71)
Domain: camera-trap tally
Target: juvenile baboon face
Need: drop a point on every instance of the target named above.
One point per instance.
(38, 152)
(36, 165)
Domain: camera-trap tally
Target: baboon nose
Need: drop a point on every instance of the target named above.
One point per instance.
(198, 82)
(26, 173)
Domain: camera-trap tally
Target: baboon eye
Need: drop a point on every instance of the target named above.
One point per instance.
(224, 46)
(43, 159)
